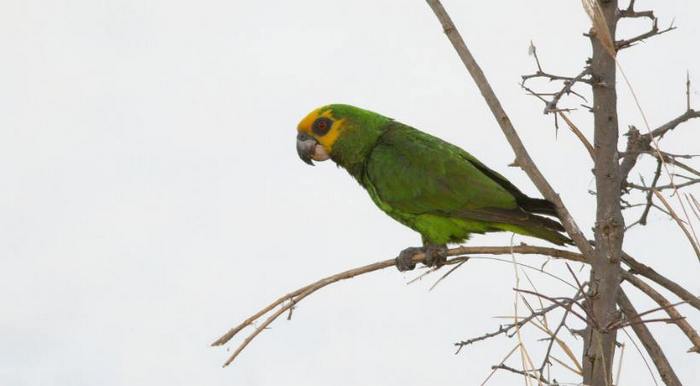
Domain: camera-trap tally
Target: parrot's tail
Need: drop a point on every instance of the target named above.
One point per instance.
(543, 227)
(540, 227)
(548, 234)
(537, 205)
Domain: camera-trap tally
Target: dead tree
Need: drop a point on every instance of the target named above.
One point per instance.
(599, 303)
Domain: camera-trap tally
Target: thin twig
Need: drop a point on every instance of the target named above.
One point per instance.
(539, 378)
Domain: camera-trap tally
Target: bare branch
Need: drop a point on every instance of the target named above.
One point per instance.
(641, 143)
(534, 374)
(650, 194)
(650, 273)
(630, 12)
(552, 105)
(288, 301)
(564, 303)
(672, 312)
(655, 352)
(523, 159)
(654, 31)
(504, 330)
(672, 124)
(659, 188)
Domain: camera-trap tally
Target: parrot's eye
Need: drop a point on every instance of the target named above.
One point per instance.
(321, 126)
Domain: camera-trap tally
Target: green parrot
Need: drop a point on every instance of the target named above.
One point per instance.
(423, 182)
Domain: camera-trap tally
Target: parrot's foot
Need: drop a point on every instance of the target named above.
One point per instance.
(405, 260)
(435, 256)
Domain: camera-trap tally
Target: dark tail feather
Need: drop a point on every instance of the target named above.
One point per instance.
(537, 205)
(550, 235)
(545, 222)
(547, 228)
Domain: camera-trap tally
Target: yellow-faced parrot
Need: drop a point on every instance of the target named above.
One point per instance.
(423, 182)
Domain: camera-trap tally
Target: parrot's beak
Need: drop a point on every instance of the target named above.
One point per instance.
(309, 149)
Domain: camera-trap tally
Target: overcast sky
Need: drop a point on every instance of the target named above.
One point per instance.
(152, 197)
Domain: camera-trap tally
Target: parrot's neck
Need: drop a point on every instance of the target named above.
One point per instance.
(352, 150)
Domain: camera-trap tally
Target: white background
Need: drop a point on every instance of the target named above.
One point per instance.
(151, 196)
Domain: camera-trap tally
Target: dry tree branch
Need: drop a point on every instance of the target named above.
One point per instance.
(672, 124)
(655, 352)
(654, 31)
(523, 159)
(551, 105)
(563, 303)
(503, 330)
(638, 144)
(651, 274)
(288, 301)
(691, 181)
(630, 12)
(672, 312)
(530, 374)
(567, 89)
(650, 197)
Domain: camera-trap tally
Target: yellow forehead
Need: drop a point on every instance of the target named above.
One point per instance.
(327, 140)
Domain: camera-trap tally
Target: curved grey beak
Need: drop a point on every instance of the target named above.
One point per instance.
(306, 146)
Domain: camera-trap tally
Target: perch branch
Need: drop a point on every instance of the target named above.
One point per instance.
(288, 301)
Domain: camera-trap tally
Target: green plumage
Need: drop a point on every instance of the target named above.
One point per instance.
(432, 186)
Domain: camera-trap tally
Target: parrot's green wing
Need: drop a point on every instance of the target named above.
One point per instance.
(414, 173)
(417, 173)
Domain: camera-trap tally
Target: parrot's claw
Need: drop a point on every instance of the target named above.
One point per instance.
(405, 260)
(435, 256)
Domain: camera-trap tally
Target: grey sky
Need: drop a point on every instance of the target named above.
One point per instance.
(152, 197)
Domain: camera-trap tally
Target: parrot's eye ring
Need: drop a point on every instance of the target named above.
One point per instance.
(321, 126)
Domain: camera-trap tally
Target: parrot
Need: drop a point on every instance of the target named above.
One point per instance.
(429, 185)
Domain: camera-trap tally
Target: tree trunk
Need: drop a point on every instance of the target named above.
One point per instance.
(599, 346)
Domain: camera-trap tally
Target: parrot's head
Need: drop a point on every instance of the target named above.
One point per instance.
(317, 133)
(340, 132)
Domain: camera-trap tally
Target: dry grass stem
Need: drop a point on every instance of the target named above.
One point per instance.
(691, 237)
